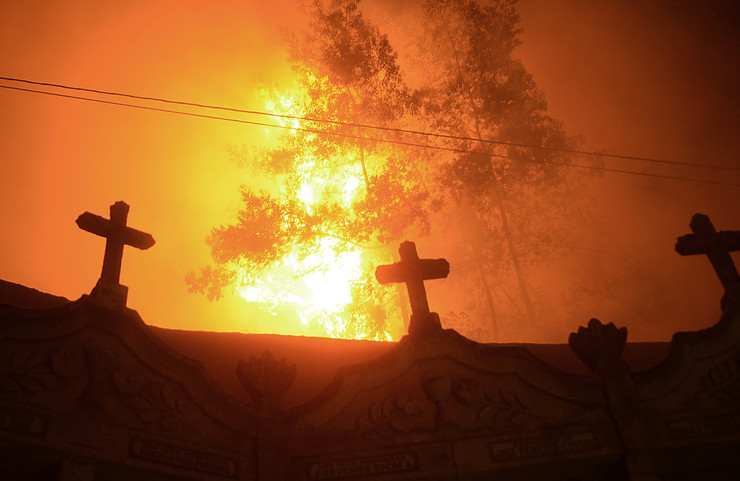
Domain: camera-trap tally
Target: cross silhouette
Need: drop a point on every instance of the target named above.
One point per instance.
(413, 271)
(117, 234)
(716, 245)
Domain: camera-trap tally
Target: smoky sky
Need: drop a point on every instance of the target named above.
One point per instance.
(653, 78)
(650, 79)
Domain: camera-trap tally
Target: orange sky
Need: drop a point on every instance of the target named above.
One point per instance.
(640, 81)
(63, 157)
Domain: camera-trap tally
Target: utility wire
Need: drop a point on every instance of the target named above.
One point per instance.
(373, 139)
(374, 127)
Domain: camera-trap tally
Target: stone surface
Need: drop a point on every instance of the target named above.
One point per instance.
(22, 296)
(717, 247)
(266, 380)
(82, 382)
(318, 359)
(108, 291)
(95, 386)
(88, 391)
(413, 272)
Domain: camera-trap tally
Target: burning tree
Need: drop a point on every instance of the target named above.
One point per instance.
(346, 192)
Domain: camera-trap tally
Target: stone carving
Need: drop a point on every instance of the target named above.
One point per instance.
(184, 457)
(501, 409)
(378, 465)
(469, 391)
(22, 422)
(474, 405)
(392, 415)
(438, 390)
(108, 290)
(463, 404)
(153, 403)
(704, 426)
(266, 380)
(717, 247)
(540, 446)
(722, 382)
(414, 271)
(34, 371)
(600, 347)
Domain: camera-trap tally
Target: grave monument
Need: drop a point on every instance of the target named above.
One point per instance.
(89, 392)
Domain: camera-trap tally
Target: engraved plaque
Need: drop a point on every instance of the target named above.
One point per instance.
(541, 446)
(364, 466)
(704, 426)
(186, 458)
(22, 422)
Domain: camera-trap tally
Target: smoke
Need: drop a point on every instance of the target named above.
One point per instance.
(653, 78)
(648, 79)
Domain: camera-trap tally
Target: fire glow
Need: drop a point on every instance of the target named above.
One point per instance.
(318, 287)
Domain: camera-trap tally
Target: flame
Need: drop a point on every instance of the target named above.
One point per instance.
(317, 288)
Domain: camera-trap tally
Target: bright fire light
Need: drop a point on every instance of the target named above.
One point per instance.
(317, 288)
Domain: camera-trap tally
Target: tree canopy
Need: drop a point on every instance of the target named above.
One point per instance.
(352, 179)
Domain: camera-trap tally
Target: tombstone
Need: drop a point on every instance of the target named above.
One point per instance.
(414, 271)
(108, 291)
(717, 247)
(89, 393)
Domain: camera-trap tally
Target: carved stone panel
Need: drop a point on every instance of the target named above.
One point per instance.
(693, 397)
(400, 462)
(45, 373)
(188, 458)
(480, 409)
(95, 384)
(20, 420)
(441, 397)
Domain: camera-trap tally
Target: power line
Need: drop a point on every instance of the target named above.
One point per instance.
(373, 139)
(373, 127)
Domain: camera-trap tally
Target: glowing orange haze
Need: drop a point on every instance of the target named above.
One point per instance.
(63, 157)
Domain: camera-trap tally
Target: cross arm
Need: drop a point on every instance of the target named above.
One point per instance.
(105, 228)
(403, 271)
(691, 244)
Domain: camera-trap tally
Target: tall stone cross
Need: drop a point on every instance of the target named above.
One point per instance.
(414, 271)
(117, 234)
(716, 245)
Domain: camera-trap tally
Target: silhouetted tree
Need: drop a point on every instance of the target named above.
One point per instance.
(495, 195)
(517, 197)
(347, 73)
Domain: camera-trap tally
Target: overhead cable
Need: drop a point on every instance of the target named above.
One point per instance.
(373, 127)
(366, 138)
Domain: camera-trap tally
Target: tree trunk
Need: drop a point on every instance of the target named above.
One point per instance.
(497, 194)
(515, 262)
(364, 168)
(489, 299)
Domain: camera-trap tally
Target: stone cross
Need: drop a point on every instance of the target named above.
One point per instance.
(413, 271)
(117, 234)
(716, 245)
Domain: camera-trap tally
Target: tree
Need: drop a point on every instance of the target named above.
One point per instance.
(347, 191)
(517, 196)
(334, 191)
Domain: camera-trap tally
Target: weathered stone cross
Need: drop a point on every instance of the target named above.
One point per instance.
(413, 271)
(117, 235)
(716, 245)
